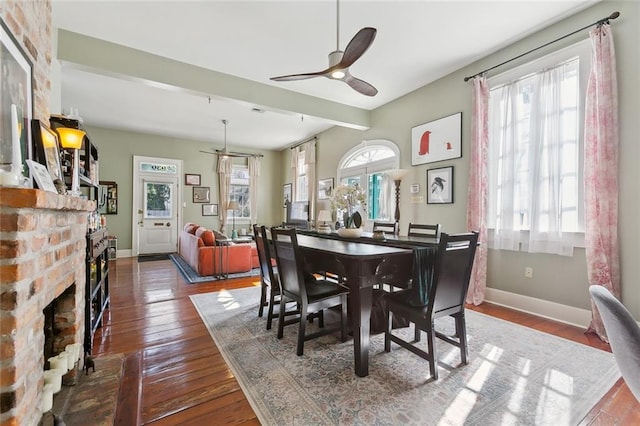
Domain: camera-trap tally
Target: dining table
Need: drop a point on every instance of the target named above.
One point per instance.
(363, 263)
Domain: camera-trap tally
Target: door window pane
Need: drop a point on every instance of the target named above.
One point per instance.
(158, 200)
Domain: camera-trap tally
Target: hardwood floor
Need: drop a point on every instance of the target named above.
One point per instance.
(174, 374)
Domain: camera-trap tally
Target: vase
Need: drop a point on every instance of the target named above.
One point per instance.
(350, 232)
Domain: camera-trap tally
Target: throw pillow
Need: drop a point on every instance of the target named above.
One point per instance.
(206, 235)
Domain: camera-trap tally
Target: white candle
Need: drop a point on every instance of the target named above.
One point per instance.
(70, 360)
(73, 350)
(59, 362)
(54, 377)
(47, 398)
(16, 156)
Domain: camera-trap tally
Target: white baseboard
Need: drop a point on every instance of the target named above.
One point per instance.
(542, 308)
(123, 253)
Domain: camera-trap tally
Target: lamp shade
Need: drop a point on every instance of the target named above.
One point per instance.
(397, 174)
(70, 138)
(233, 205)
(324, 216)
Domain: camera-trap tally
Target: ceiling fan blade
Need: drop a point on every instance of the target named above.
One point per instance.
(304, 76)
(357, 46)
(360, 85)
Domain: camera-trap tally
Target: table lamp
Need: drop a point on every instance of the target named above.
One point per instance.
(72, 139)
(324, 216)
(233, 205)
(396, 175)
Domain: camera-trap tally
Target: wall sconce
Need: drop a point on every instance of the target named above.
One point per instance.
(233, 205)
(396, 175)
(72, 139)
(323, 216)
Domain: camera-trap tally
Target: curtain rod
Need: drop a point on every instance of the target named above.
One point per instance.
(303, 142)
(614, 15)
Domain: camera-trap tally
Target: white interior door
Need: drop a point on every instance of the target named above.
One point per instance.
(156, 207)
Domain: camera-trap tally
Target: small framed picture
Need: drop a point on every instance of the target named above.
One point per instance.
(286, 194)
(201, 194)
(209, 210)
(437, 140)
(46, 148)
(325, 186)
(440, 185)
(191, 179)
(42, 176)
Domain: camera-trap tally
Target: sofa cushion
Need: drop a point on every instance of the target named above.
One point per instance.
(192, 228)
(206, 235)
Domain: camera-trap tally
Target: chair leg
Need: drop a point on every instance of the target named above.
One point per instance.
(387, 332)
(301, 329)
(263, 299)
(461, 329)
(343, 318)
(283, 305)
(272, 300)
(321, 319)
(416, 334)
(431, 344)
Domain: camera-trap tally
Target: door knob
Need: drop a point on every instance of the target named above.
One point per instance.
(168, 224)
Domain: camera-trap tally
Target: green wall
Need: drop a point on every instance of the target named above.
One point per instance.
(116, 151)
(556, 278)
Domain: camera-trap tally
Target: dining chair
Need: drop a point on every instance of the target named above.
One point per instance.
(387, 227)
(269, 277)
(418, 230)
(312, 295)
(623, 333)
(442, 294)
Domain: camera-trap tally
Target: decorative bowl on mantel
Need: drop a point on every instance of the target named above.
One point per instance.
(350, 232)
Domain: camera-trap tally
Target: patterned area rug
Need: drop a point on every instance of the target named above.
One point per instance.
(515, 375)
(192, 276)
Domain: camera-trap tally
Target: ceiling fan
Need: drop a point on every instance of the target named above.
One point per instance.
(340, 61)
(225, 151)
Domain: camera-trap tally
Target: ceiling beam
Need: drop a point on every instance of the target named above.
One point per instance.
(115, 60)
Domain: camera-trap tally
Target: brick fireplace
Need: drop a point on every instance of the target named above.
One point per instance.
(42, 257)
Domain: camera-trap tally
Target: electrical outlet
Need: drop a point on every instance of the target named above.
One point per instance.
(528, 272)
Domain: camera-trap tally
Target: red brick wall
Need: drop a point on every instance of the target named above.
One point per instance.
(42, 253)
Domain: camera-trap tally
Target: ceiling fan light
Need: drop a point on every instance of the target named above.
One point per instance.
(338, 74)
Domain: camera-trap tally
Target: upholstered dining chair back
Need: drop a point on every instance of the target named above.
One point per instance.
(623, 333)
(388, 227)
(423, 230)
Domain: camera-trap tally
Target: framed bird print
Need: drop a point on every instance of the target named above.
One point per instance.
(440, 185)
(437, 140)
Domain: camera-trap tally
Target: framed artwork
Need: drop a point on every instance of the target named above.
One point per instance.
(41, 176)
(191, 179)
(286, 194)
(209, 210)
(46, 146)
(325, 187)
(201, 194)
(440, 185)
(107, 197)
(16, 102)
(437, 140)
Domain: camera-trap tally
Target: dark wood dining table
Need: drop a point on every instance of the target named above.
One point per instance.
(359, 262)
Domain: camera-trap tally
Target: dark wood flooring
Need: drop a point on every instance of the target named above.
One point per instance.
(175, 375)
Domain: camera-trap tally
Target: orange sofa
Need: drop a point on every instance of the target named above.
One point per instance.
(197, 246)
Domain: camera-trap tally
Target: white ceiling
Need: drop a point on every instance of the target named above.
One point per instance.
(417, 42)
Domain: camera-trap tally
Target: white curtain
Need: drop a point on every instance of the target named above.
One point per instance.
(531, 189)
(224, 185)
(295, 153)
(310, 161)
(254, 174)
(387, 198)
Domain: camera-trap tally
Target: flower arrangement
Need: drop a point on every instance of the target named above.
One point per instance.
(347, 198)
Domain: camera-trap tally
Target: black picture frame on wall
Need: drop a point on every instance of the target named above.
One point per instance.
(16, 100)
(440, 185)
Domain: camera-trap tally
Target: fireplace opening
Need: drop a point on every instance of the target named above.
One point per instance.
(59, 324)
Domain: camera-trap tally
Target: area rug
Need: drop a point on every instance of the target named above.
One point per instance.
(515, 375)
(192, 276)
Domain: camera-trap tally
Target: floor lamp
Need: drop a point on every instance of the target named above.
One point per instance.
(396, 175)
(233, 205)
(72, 139)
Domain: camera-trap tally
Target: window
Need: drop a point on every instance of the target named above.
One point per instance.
(365, 165)
(302, 189)
(535, 146)
(239, 191)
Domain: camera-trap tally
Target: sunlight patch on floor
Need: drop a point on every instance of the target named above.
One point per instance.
(226, 299)
(518, 394)
(554, 402)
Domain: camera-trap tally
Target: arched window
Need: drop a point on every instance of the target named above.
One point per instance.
(365, 165)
